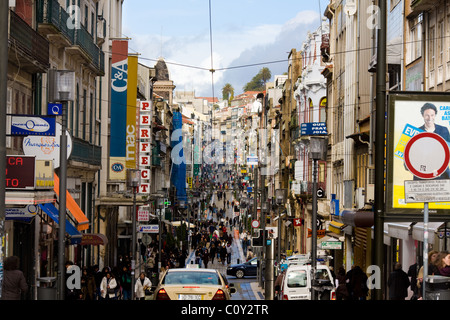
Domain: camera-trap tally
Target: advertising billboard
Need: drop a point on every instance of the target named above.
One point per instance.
(411, 113)
(119, 86)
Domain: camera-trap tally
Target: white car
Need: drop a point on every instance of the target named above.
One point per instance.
(296, 283)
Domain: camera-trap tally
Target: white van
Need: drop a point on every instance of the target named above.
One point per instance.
(296, 283)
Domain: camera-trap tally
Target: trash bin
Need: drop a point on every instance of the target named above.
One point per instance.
(437, 288)
(47, 289)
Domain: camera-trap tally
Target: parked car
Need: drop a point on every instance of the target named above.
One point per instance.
(245, 269)
(296, 283)
(193, 284)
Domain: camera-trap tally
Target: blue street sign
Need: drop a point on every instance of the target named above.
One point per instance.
(54, 109)
(313, 129)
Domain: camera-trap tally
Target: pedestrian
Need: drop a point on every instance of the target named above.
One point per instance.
(341, 287)
(358, 283)
(108, 286)
(71, 292)
(249, 254)
(398, 283)
(205, 257)
(143, 284)
(125, 280)
(212, 252)
(223, 253)
(443, 263)
(229, 252)
(412, 272)
(14, 283)
(432, 270)
(88, 287)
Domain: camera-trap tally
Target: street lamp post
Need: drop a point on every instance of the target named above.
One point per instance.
(61, 89)
(280, 195)
(160, 205)
(317, 151)
(134, 178)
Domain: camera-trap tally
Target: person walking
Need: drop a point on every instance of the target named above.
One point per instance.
(341, 286)
(398, 283)
(14, 283)
(229, 252)
(108, 286)
(142, 284)
(125, 280)
(358, 284)
(88, 287)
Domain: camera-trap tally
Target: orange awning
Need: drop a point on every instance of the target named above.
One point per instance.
(75, 210)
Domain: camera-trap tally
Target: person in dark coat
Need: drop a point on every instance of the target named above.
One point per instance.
(412, 272)
(341, 286)
(398, 283)
(358, 284)
(14, 283)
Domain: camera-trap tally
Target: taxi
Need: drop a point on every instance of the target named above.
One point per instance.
(193, 284)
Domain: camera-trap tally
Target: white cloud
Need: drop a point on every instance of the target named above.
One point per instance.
(232, 47)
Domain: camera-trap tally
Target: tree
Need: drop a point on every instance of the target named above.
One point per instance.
(227, 92)
(258, 82)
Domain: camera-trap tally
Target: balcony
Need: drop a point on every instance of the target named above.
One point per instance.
(28, 49)
(86, 152)
(52, 23)
(418, 6)
(85, 48)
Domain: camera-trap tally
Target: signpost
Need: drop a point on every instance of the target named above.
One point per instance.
(423, 166)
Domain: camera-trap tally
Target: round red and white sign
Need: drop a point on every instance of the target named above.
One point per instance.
(255, 223)
(427, 155)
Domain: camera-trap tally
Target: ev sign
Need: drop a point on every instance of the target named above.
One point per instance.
(418, 157)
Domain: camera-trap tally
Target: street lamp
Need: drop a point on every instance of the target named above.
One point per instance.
(190, 201)
(317, 151)
(160, 205)
(61, 85)
(133, 180)
(280, 197)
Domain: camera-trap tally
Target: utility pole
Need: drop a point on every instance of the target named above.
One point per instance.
(4, 12)
(380, 144)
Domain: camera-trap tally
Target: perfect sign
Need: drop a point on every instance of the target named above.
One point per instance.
(313, 129)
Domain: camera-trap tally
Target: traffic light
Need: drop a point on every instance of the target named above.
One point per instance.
(258, 241)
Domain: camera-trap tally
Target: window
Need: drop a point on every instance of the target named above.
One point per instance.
(311, 110)
(431, 49)
(415, 39)
(297, 279)
(440, 42)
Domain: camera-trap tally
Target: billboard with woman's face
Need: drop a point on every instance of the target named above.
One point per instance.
(410, 113)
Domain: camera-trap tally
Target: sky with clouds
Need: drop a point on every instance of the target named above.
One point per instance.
(244, 33)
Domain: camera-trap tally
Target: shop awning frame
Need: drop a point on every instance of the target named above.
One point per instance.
(53, 213)
(72, 206)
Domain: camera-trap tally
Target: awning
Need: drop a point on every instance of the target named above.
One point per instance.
(93, 239)
(336, 227)
(53, 213)
(178, 223)
(75, 210)
(399, 230)
(418, 228)
(29, 197)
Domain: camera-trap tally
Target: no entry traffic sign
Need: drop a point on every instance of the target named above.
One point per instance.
(427, 155)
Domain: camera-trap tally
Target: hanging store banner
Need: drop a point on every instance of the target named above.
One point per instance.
(20, 172)
(145, 148)
(410, 113)
(24, 125)
(132, 114)
(119, 86)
